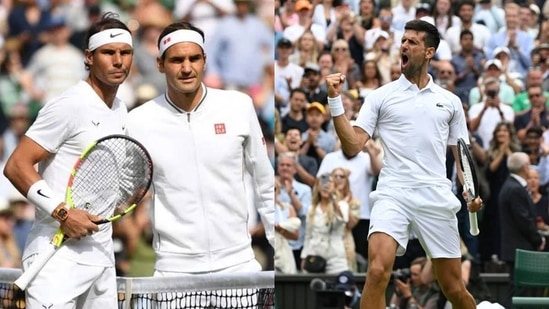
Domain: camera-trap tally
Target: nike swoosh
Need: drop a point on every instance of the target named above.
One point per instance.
(40, 193)
(115, 35)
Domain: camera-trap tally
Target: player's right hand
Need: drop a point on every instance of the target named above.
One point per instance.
(79, 224)
(335, 82)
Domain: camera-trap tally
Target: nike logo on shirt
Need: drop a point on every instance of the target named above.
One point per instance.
(95, 123)
(112, 35)
(40, 193)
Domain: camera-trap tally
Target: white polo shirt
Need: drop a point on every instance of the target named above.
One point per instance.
(415, 127)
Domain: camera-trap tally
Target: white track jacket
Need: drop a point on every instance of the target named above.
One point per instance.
(200, 211)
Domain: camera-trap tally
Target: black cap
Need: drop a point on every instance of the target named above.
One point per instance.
(345, 281)
(284, 42)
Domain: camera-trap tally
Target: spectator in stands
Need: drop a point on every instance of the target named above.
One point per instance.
(317, 142)
(510, 73)
(383, 54)
(295, 118)
(57, 65)
(324, 14)
(231, 64)
(10, 255)
(486, 115)
(493, 69)
(501, 145)
(518, 216)
(535, 116)
(296, 194)
(146, 51)
(529, 19)
(311, 84)
(533, 78)
(480, 32)
(347, 28)
(520, 43)
(305, 22)
(490, 15)
(343, 62)
(326, 220)
(286, 228)
(305, 51)
(343, 188)
(444, 17)
(306, 166)
(538, 152)
(543, 33)
(23, 214)
(445, 76)
(540, 57)
(19, 122)
(370, 79)
(385, 16)
(290, 71)
(411, 289)
(204, 14)
(288, 14)
(541, 202)
(367, 18)
(364, 167)
(402, 13)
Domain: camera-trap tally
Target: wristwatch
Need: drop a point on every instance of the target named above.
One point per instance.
(60, 213)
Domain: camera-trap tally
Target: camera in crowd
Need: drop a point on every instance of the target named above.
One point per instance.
(402, 274)
(338, 294)
(492, 93)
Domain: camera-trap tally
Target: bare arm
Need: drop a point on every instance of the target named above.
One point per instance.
(352, 138)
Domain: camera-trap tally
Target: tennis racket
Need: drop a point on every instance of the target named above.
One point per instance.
(109, 179)
(470, 181)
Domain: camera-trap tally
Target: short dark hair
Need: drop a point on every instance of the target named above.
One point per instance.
(536, 130)
(108, 20)
(179, 26)
(465, 32)
(466, 2)
(298, 90)
(432, 36)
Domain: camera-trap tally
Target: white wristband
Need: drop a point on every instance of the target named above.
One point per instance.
(336, 106)
(41, 195)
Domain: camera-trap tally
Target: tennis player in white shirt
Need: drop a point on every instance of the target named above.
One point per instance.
(416, 120)
(202, 142)
(81, 274)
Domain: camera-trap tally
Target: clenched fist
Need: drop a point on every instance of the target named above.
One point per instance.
(335, 82)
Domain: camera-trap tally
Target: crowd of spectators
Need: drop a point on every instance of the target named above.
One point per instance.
(494, 55)
(42, 54)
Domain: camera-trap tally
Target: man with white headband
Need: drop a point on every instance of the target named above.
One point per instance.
(202, 141)
(81, 274)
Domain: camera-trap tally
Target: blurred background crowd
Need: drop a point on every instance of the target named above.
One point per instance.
(41, 55)
(494, 55)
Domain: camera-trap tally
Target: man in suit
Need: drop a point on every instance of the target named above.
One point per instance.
(518, 219)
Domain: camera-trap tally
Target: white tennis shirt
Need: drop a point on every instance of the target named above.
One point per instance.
(200, 209)
(65, 126)
(415, 127)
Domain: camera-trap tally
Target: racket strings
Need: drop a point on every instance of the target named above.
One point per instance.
(112, 177)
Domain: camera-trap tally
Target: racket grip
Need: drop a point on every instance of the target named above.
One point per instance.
(473, 223)
(23, 281)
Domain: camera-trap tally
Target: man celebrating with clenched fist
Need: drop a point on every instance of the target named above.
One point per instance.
(416, 121)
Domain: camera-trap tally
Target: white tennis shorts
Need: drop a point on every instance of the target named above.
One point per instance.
(65, 284)
(428, 212)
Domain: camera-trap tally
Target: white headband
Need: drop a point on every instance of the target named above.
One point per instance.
(108, 36)
(180, 36)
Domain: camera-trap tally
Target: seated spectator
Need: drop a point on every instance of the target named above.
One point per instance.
(536, 116)
(317, 142)
(306, 166)
(492, 69)
(533, 78)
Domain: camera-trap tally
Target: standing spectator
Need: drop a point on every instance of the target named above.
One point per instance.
(57, 65)
(295, 118)
(485, 116)
(305, 22)
(367, 15)
(290, 71)
(286, 228)
(468, 65)
(231, 64)
(296, 194)
(518, 216)
(520, 43)
(364, 167)
(503, 143)
(490, 15)
(325, 226)
(481, 33)
(444, 17)
(343, 188)
(306, 50)
(324, 14)
(347, 28)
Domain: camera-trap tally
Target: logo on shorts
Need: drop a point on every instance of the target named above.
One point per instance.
(115, 35)
(220, 128)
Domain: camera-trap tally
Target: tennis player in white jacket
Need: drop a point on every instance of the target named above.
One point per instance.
(202, 142)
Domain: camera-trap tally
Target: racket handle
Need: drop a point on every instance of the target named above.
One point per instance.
(473, 223)
(23, 281)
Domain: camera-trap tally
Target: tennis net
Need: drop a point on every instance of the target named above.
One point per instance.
(228, 290)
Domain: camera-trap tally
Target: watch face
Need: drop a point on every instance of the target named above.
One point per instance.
(62, 213)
